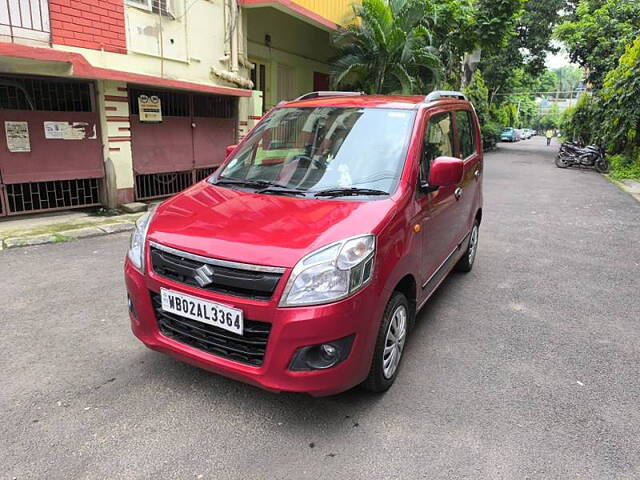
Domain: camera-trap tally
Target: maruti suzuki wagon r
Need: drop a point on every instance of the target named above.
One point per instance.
(300, 264)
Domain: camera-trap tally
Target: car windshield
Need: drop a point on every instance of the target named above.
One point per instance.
(326, 150)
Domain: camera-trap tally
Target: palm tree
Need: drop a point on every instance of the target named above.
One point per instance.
(387, 49)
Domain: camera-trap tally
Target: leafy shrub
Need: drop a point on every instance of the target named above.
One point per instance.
(478, 95)
(583, 121)
(625, 167)
(490, 135)
(620, 102)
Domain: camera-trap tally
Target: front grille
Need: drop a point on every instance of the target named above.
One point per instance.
(248, 348)
(231, 281)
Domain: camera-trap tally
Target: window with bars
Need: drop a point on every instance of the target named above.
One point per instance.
(166, 8)
(178, 104)
(45, 94)
(173, 104)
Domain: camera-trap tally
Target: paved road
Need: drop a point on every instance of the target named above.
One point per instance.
(525, 368)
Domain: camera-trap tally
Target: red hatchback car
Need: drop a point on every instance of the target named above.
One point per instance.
(301, 263)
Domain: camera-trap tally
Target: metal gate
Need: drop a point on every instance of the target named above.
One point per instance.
(51, 156)
(188, 145)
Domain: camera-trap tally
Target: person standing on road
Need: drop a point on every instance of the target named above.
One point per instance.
(549, 135)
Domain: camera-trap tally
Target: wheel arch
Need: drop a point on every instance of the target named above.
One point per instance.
(408, 287)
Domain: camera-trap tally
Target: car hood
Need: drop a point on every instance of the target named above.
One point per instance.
(260, 229)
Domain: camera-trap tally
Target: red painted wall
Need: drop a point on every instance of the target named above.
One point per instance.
(98, 25)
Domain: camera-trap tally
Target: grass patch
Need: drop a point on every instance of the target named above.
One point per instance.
(622, 168)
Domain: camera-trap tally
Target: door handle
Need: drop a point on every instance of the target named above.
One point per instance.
(476, 174)
(458, 193)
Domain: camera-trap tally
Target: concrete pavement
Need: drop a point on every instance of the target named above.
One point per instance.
(525, 368)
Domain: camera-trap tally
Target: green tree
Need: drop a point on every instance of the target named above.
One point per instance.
(534, 33)
(453, 23)
(551, 119)
(579, 122)
(478, 94)
(620, 103)
(387, 49)
(547, 82)
(597, 33)
(495, 23)
(567, 80)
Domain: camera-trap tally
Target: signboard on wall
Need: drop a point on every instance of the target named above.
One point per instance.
(150, 109)
(17, 136)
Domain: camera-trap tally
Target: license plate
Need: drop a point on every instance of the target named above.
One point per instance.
(204, 311)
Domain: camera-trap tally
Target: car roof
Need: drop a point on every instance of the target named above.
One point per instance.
(406, 102)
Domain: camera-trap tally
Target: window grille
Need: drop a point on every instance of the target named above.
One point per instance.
(156, 185)
(57, 194)
(45, 94)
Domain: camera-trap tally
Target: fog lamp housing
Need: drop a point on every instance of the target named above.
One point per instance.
(132, 308)
(321, 356)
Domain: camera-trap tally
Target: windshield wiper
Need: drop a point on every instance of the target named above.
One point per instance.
(275, 188)
(261, 186)
(345, 192)
(243, 183)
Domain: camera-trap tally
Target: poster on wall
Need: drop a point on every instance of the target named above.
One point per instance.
(17, 136)
(150, 109)
(55, 130)
(69, 131)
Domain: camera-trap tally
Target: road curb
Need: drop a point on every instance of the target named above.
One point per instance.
(65, 236)
(623, 187)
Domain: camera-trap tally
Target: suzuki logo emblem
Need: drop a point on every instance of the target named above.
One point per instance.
(204, 276)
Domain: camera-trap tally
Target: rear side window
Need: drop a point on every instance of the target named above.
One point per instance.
(438, 141)
(465, 132)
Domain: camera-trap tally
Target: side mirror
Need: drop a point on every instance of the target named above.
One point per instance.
(444, 172)
(229, 150)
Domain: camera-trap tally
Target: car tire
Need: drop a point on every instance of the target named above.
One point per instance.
(390, 343)
(465, 264)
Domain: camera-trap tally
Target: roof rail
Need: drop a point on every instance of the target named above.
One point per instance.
(309, 95)
(438, 94)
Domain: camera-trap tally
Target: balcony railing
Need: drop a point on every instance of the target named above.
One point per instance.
(24, 19)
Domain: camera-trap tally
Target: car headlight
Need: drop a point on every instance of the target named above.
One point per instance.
(331, 273)
(138, 237)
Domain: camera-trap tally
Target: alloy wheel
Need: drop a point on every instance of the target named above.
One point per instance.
(473, 244)
(394, 341)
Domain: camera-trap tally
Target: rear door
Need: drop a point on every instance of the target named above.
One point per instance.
(439, 231)
(469, 149)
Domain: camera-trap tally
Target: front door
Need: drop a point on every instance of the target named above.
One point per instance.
(439, 228)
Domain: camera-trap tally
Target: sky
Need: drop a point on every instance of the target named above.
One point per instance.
(559, 59)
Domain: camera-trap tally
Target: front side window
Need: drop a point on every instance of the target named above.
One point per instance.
(319, 149)
(465, 132)
(438, 142)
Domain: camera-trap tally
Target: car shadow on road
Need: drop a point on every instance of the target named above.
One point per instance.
(290, 408)
(344, 410)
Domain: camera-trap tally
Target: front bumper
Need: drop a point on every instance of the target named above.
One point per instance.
(291, 328)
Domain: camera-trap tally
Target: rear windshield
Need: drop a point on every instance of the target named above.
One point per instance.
(315, 149)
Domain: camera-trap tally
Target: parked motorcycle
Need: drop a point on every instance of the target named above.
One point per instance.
(574, 154)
